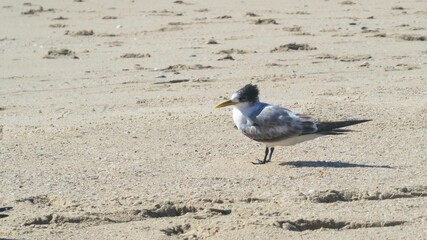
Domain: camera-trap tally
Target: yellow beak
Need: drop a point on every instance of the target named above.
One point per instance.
(225, 104)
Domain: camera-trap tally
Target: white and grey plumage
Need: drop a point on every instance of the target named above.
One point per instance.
(274, 125)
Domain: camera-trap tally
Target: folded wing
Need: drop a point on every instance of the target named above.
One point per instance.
(274, 123)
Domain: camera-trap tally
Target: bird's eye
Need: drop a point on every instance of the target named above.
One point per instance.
(242, 99)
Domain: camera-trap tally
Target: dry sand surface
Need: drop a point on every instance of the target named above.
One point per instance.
(109, 129)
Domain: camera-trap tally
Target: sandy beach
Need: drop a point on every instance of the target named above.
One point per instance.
(108, 128)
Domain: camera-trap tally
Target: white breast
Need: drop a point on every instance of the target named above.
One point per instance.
(239, 119)
(293, 140)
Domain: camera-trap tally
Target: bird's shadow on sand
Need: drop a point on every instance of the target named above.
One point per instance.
(330, 164)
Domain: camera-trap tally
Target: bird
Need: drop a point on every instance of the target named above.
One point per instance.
(274, 125)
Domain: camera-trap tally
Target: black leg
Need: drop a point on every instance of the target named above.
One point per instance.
(271, 153)
(265, 158)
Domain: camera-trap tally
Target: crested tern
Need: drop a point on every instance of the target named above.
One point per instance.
(274, 125)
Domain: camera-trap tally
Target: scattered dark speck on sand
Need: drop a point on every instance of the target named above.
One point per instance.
(212, 41)
(34, 11)
(401, 67)
(299, 13)
(417, 28)
(176, 23)
(83, 33)
(297, 30)
(202, 10)
(354, 58)
(233, 50)
(345, 58)
(228, 57)
(347, 3)
(251, 14)
(398, 8)
(60, 18)
(273, 65)
(293, 46)
(182, 2)
(380, 35)
(170, 28)
(62, 53)
(109, 17)
(135, 55)
(303, 225)
(326, 56)
(224, 17)
(179, 67)
(107, 35)
(409, 37)
(57, 25)
(7, 39)
(173, 81)
(366, 30)
(265, 21)
(176, 230)
(292, 29)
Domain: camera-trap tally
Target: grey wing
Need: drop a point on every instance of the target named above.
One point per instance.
(275, 123)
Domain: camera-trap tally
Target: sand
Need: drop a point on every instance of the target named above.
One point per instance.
(109, 129)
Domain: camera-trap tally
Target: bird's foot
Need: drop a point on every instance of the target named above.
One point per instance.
(260, 162)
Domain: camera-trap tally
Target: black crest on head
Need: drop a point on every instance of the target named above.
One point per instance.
(249, 93)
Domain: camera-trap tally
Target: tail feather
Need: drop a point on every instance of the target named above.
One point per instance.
(308, 127)
(4, 209)
(333, 128)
